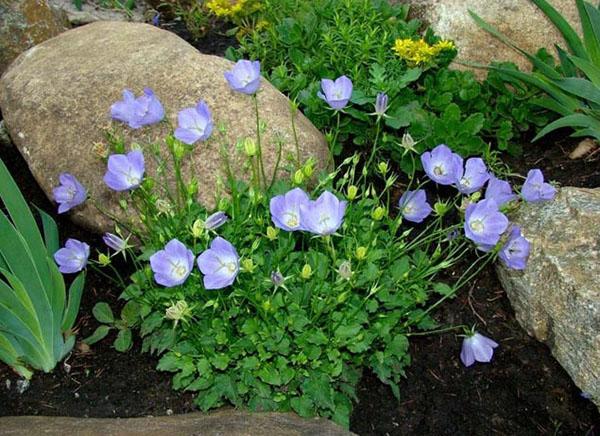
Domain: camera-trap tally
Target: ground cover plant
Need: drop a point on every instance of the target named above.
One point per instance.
(375, 45)
(278, 298)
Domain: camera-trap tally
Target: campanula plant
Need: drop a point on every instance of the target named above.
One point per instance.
(280, 295)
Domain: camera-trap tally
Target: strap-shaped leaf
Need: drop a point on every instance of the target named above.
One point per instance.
(590, 24)
(21, 217)
(565, 62)
(581, 88)
(552, 105)
(19, 260)
(15, 298)
(50, 232)
(75, 291)
(569, 34)
(546, 69)
(589, 69)
(575, 120)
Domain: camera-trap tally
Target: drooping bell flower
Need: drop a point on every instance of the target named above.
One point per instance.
(113, 241)
(336, 93)
(499, 191)
(215, 220)
(323, 216)
(138, 112)
(381, 104)
(69, 194)
(220, 264)
(285, 209)
(474, 176)
(476, 347)
(442, 165)
(535, 189)
(244, 77)
(173, 264)
(72, 257)
(414, 207)
(195, 124)
(515, 251)
(125, 171)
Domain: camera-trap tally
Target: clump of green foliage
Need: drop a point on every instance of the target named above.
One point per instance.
(303, 42)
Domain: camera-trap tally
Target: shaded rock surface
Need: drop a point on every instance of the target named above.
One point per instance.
(56, 117)
(224, 422)
(520, 20)
(25, 23)
(91, 12)
(557, 298)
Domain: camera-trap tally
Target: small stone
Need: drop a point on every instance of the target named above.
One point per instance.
(8, 383)
(76, 395)
(22, 385)
(169, 412)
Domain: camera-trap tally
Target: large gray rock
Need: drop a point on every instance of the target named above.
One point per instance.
(56, 98)
(520, 20)
(557, 297)
(224, 422)
(25, 23)
(91, 12)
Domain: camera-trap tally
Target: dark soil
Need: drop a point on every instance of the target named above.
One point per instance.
(523, 391)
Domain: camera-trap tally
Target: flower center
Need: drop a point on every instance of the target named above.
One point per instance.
(132, 179)
(292, 221)
(337, 94)
(409, 207)
(477, 226)
(465, 182)
(230, 267)
(178, 270)
(323, 219)
(71, 191)
(439, 170)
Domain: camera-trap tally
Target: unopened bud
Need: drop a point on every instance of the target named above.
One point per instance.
(298, 177)
(306, 272)
(178, 311)
(248, 265)
(345, 270)
(103, 259)
(272, 233)
(378, 213)
(249, 147)
(361, 253)
(382, 167)
(352, 192)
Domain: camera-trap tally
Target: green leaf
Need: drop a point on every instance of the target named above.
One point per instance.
(269, 375)
(580, 87)
(50, 232)
(131, 313)
(576, 120)
(443, 289)
(99, 334)
(317, 386)
(124, 340)
(103, 313)
(568, 33)
(590, 24)
(589, 69)
(75, 291)
(220, 361)
(303, 406)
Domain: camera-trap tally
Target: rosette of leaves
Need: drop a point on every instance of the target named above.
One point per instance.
(36, 318)
(572, 87)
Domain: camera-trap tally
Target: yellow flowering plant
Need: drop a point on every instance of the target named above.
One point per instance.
(420, 52)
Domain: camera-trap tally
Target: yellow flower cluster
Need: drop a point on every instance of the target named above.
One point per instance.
(420, 52)
(229, 8)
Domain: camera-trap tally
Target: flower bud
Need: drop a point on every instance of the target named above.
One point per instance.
(441, 208)
(123, 204)
(103, 259)
(306, 272)
(272, 233)
(345, 270)
(298, 177)
(352, 192)
(475, 196)
(224, 204)
(250, 147)
(101, 150)
(309, 168)
(192, 188)
(178, 150)
(197, 228)
(378, 213)
(248, 265)
(361, 253)
(382, 167)
(178, 311)
(277, 278)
